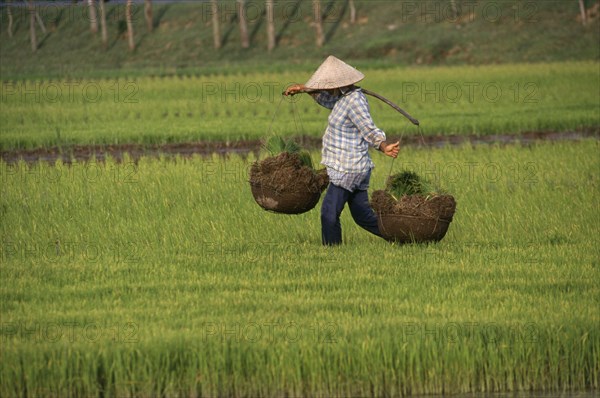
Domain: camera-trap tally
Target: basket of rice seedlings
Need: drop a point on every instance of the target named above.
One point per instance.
(411, 209)
(286, 182)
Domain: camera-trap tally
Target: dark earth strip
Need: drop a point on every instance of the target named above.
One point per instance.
(81, 153)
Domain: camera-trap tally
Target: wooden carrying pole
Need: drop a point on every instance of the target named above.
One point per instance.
(379, 97)
(390, 103)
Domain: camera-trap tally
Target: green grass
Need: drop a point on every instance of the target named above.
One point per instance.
(151, 110)
(388, 33)
(164, 277)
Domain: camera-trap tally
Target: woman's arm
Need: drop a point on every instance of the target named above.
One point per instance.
(323, 98)
(294, 89)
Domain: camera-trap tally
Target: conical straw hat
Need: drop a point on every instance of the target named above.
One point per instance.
(333, 73)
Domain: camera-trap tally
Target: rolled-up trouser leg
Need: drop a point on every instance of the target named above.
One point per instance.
(362, 213)
(333, 204)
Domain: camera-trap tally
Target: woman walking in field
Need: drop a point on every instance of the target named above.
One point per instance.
(349, 134)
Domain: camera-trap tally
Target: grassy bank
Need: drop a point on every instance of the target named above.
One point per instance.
(164, 277)
(386, 33)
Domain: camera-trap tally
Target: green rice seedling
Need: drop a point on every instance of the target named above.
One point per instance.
(306, 158)
(410, 183)
(292, 147)
(276, 144)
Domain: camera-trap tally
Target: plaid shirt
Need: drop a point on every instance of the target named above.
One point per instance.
(349, 133)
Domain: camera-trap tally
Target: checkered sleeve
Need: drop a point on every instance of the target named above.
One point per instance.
(325, 99)
(360, 115)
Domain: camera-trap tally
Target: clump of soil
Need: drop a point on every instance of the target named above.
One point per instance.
(433, 206)
(286, 172)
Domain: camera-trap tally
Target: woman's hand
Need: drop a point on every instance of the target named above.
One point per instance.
(294, 89)
(390, 149)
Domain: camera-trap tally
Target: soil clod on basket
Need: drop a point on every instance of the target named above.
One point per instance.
(286, 184)
(287, 173)
(435, 206)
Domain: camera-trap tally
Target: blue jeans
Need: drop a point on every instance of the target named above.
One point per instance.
(333, 204)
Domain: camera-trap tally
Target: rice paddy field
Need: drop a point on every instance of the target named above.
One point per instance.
(147, 275)
(162, 277)
(482, 100)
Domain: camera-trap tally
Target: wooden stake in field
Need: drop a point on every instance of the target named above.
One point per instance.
(270, 25)
(148, 15)
(583, 13)
(215, 24)
(10, 18)
(103, 25)
(454, 9)
(32, 26)
(92, 16)
(241, 12)
(129, 25)
(318, 22)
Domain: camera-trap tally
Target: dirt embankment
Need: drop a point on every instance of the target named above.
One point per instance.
(188, 149)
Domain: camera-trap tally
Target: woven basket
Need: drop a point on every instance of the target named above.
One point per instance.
(284, 202)
(412, 229)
